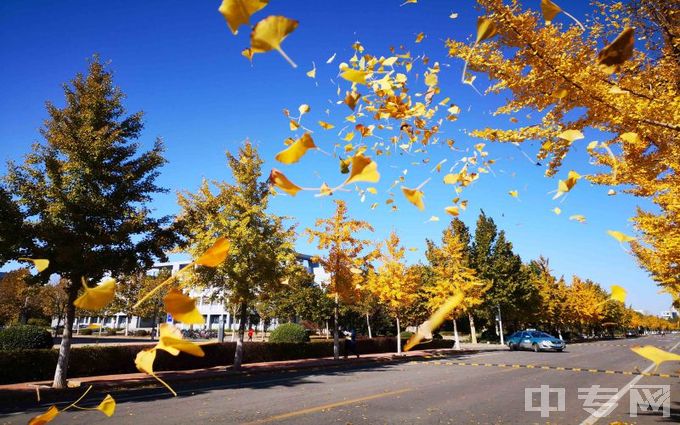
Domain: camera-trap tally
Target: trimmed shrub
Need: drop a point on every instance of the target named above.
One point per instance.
(289, 332)
(85, 331)
(25, 337)
(437, 336)
(38, 322)
(406, 335)
(140, 332)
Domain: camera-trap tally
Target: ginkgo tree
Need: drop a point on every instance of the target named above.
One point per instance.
(572, 80)
(453, 276)
(344, 259)
(393, 282)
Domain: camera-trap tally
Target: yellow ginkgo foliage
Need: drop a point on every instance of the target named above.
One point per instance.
(656, 355)
(619, 236)
(269, 33)
(364, 169)
(216, 254)
(238, 12)
(295, 151)
(278, 179)
(414, 196)
(98, 297)
(183, 308)
(40, 264)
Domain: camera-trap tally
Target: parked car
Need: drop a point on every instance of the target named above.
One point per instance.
(535, 340)
(632, 334)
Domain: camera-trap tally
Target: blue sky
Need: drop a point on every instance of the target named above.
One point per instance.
(178, 62)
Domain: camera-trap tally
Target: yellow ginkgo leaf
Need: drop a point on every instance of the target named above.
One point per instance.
(364, 169)
(550, 10)
(390, 61)
(578, 217)
(619, 51)
(144, 360)
(452, 210)
(171, 340)
(304, 109)
(325, 190)
(486, 28)
(294, 125)
(571, 135)
(107, 406)
(312, 72)
(618, 294)
(351, 99)
(238, 12)
(564, 186)
(326, 125)
(611, 192)
(278, 179)
(419, 37)
(434, 218)
(372, 190)
(270, 32)
(414, 196)
(294, 152)
(435, 320)
(46, 417)
(557, 210)
(40, 264)
(98, 297)
(513, 193)
(451, 178)
(354, 75)
(631, 138)
(247, 53)
(216, 254)
(183, 308)
(621, 237)
(656, 355)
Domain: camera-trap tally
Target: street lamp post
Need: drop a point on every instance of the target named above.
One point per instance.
(500, 324)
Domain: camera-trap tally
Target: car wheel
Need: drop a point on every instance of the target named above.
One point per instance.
(512, 347)
(535, 347)
(559, 350)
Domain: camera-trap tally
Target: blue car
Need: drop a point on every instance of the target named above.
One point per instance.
(535, 340)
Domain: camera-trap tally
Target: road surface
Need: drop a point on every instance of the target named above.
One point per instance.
(483, 388)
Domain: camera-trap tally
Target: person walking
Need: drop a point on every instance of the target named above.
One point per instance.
(250, 333)
(351, 342)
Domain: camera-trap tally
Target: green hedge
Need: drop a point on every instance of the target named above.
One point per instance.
(25, 337)
(37, 365)
(289, 332)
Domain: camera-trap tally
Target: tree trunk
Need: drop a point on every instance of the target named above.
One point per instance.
(473, 332)
(398, 337)
(61, 372)
(336, 339)
(368, 324)
(238, 356)
(456, 339)
(559, 333)
(127, 324)
(500, 326)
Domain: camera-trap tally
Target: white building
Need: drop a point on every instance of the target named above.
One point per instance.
(212, 310)
(669, 314)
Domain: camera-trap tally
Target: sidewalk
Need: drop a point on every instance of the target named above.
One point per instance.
(131, 380)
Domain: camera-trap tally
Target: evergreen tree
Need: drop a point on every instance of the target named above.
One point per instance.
(84, 190)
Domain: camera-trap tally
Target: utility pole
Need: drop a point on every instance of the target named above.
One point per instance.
(500, 323)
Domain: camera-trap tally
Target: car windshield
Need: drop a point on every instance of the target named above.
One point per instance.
(540, 335)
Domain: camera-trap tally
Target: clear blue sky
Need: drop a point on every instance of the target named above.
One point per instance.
(177, 61)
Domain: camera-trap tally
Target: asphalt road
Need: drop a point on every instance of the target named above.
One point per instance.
(488, 388)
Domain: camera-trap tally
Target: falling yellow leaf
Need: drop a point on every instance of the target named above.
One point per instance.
(486, 28)
(248, 53)
(183, 308)
(451, 178)
(325, 125)
(611, 192)
(419, 37)
(294, 125)
(354, 75)
(364, 169)
(294, 152)
(331, 59)
(578, 217)
(435, 320)
(144, 360)
(631, 138)
(513, 193)
(433, 219)
(570, 135)
(452, 210)
(656, 355)
(564, 186)
(325, 190)
(619, 51)
(46, 417)
(171, 340)
(371, 190)
(618, 294)
(40, 264)
(270, 32)
(414, 196)
(621, 237)
(351, 99)
(550, 10)
(238, 12)
(453, 16)
(304, 109)
(390, 61)
(98, 297)
(278, 179)
(107, 406)
(312, 72)
(557, 211)
(216, 254)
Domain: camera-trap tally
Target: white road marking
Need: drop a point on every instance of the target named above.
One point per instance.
(608, 406)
